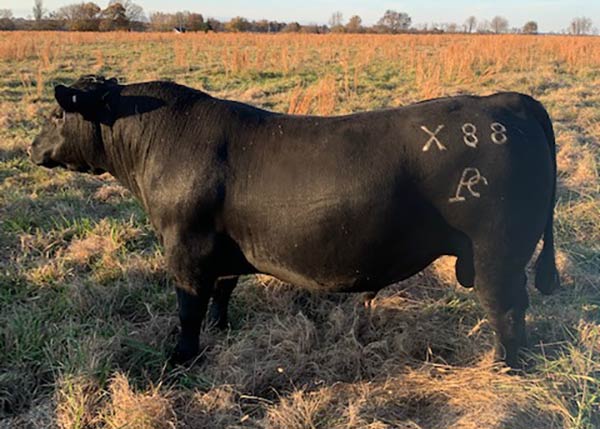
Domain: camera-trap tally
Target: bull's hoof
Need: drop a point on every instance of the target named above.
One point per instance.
(514, 363)
(184, 354)
(512, 356)
(367, 299)
(547, 280)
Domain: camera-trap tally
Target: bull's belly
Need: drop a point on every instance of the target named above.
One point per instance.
(351, 280)
(351, 266)
(359, 245)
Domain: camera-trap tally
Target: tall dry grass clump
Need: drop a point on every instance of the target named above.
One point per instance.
(78, 401)
(151, 409)
(319, 98)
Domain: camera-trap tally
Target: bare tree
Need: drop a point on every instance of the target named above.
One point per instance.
(581, 25)
(292, 27)
(530, 27)
(394, 22)
(336, 19)
(470, 24)
(499, 24)
(38, 9)
(80, 17)
(6, 20)
(160, 21)
(484, 26)
(451, 27)
(6, 14)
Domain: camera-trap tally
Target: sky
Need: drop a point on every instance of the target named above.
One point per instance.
(551, 15)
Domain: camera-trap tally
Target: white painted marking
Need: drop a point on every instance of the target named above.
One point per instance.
(469, 178)
(499, 133)
(470, 137)
(433, 138)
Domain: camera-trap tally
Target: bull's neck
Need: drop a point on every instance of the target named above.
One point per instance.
(126, 152)
(133, 141)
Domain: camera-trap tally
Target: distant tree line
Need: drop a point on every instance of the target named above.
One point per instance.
(118, 15)
(125, 15)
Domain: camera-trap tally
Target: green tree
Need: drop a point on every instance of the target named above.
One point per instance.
(530, 27)
(237, 25)
(194, 22)
(133, 11)
(394, 22)
(114, 18)
(354, 25)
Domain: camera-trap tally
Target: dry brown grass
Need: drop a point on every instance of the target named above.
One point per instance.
(435, 61)
(320, 98)
(148, 410)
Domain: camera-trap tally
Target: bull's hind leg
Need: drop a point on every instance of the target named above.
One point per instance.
(217, 314)
(464, 269)
(501, 289)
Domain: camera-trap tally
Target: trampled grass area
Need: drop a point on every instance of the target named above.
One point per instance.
(88, 314)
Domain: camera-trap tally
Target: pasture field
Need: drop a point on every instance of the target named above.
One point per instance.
(88, 314)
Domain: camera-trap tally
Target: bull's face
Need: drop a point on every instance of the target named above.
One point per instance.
(72, 136)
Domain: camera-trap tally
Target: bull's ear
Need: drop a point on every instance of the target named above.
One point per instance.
(75, 100)
(93, 105)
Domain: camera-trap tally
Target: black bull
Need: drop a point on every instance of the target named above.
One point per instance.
(350, 203)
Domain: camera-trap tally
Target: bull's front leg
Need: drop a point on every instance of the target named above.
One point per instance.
(189, 259)
(192, 310)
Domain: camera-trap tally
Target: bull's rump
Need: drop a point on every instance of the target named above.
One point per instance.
(360, 201)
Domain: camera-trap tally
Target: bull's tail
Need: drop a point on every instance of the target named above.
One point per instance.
(546, 274)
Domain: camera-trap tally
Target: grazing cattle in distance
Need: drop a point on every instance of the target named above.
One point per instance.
(340, 204)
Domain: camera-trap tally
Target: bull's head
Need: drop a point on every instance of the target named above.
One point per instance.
(72, 136)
